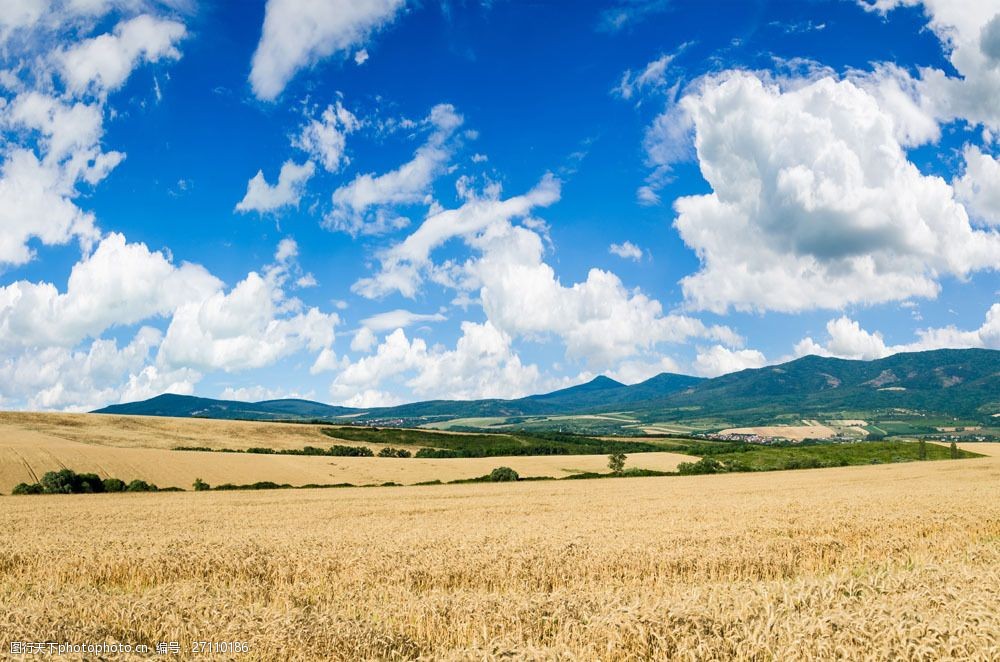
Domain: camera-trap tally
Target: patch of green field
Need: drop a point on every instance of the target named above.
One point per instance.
(443, 444)
(901, 427)
(474, 422)
(770, 458)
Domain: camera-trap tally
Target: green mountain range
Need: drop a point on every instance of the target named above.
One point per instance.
(957, 383)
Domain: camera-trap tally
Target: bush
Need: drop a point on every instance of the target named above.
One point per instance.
(67, 481)
(616, 462)
(394, 452)
(503, 475)
(705, 465)
(58, 482)
(200, 485)
(114, 485)
(350, 451)
(437, 453)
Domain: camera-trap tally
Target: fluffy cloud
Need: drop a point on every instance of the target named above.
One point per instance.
(598, 320)
(814, 203)
(103, 63)
(364, 340)
(299, 33)
(407, 184)
(37, 186)
(262, 197)
(50, 145)
(848, 340)
(970, 36)
(482, 365)
(36, 202)
(404, 266)
(253, 325)
(81, 380)
(979, 186)
(324, 139)
(718, 360)
(118, 284)
(626, 250)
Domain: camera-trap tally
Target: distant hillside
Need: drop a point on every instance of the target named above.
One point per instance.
(962, 382)
(596, 393)
(184, 406)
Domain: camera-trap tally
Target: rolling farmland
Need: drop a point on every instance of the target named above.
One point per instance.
(893, 561)
(138, 448)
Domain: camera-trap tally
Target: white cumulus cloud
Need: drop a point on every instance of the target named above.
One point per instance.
(325, 138)
(120, 283)
(262, 197)
(626, 250)
(718, 360)
(103, 63)
(482, 365)
(814, 203)
(848, 340)
(300, 33)
(979, 186)
(359, 206)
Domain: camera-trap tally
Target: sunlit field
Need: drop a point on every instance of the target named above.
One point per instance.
(878, 562)
(138, 447)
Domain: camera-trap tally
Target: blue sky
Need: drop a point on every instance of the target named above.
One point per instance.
(379, 201)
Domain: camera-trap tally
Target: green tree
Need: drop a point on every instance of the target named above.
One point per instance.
(63, 481)
(200, 485)
(503, 475)
(705, 465)
(922, 450)
(114, 485)
(954, 451)
(616, 462)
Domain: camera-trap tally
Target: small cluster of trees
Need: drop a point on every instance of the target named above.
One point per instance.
(67, 481)
(388, 451)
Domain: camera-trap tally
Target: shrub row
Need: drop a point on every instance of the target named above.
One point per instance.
(67, 481)
(394, 452)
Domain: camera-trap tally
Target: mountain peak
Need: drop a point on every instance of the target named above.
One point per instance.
(602, 381)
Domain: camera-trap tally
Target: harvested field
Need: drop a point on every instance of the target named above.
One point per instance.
(888, 562)
(163, 432)
(26, 454)
(792, 432)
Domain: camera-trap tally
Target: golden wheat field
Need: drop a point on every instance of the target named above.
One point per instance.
(889, 562)
(136, 447)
